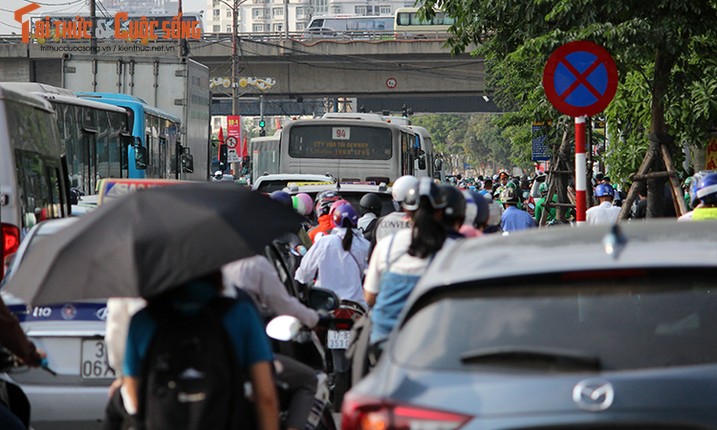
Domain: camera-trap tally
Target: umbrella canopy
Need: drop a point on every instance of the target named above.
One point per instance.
(149, 242)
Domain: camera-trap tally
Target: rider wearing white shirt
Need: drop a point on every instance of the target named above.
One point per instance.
(605, 212)
(339, 269)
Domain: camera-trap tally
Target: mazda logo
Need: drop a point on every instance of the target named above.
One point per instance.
(593, 395)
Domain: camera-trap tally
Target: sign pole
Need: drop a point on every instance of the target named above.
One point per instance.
(580, 171)
(580, 79)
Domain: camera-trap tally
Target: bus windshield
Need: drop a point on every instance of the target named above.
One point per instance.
(340, 142)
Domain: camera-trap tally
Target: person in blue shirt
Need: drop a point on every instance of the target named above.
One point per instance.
(513, 219)
(246, 333)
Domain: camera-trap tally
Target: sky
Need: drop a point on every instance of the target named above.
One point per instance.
(8, 25)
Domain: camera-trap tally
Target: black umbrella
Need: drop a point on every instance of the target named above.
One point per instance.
(151, 241)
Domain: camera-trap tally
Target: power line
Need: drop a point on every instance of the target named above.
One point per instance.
(57, 4)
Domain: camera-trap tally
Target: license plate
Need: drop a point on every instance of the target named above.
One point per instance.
(339, 339)
(94, 364)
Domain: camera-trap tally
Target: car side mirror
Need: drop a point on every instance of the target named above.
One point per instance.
(323, 299)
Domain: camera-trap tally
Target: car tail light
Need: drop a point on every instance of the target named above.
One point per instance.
(366, 413)
(10, 243)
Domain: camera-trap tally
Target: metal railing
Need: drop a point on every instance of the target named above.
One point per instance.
(305, 36)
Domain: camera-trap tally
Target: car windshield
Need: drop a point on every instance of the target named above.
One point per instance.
(600, 320)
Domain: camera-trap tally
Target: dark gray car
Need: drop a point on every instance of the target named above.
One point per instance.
(578, 328)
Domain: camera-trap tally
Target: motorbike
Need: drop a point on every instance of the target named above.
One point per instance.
(11, 394)
(291, 338)
(338, 339)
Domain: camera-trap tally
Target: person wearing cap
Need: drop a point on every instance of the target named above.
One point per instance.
(503, 179)
(514, 219)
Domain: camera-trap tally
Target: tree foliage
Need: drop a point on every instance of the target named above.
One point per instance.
(477, 140)
(665, 52)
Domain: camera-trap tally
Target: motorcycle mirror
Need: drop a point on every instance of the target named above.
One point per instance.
(283, 327)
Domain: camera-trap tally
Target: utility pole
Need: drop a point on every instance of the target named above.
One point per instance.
(235, 100)
(286, 19)
(93, 32)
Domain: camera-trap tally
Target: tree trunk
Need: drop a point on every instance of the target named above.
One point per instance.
(658, 129)
(562, 179)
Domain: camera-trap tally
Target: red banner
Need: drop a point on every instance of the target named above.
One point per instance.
(221, 142)
(244, 148)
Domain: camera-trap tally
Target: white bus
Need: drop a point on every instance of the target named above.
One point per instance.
(350, 150)
(407, 24)
(349, 26)
(33, 171)
(95, 136)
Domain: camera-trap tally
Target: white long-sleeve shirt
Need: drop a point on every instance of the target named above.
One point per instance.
(257, 276)
(338, 270)
(604, 213)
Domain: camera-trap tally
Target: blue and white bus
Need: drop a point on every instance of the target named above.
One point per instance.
(157, 151)
(94, 135)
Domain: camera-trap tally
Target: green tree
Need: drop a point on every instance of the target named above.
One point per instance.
(664, 50)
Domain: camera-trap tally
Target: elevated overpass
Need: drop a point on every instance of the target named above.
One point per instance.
(296, 74)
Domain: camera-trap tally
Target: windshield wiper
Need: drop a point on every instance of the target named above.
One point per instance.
(532, 357)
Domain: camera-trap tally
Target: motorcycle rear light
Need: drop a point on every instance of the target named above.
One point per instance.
(345, 314)
(10, 244)
(365, 413)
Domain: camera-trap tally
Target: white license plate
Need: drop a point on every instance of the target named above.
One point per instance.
(94, 364)
(339, 339)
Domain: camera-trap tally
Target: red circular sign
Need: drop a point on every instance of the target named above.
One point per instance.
(391, 82)
(580, 78)
(231, 142)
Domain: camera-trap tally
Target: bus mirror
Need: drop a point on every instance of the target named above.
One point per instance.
(140, 156)
(187, 163)
(223, 154)
(422, 162)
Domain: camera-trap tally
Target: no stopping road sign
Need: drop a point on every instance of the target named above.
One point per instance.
(580, 78)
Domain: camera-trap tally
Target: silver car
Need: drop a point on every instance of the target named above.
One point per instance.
(574, 328)
(72, 335)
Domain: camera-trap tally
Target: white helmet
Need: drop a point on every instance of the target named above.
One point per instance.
(400, 187)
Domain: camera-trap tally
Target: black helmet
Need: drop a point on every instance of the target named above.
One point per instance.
(455, 203)
(370, 202)
(324, 200)
(425, 187)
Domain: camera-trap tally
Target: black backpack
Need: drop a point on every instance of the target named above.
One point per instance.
(190, 378)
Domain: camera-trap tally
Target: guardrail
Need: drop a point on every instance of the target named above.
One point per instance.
(302, 36)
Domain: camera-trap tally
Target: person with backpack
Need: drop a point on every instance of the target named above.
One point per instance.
(399, 260)
(370, 208)
(188, 355)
